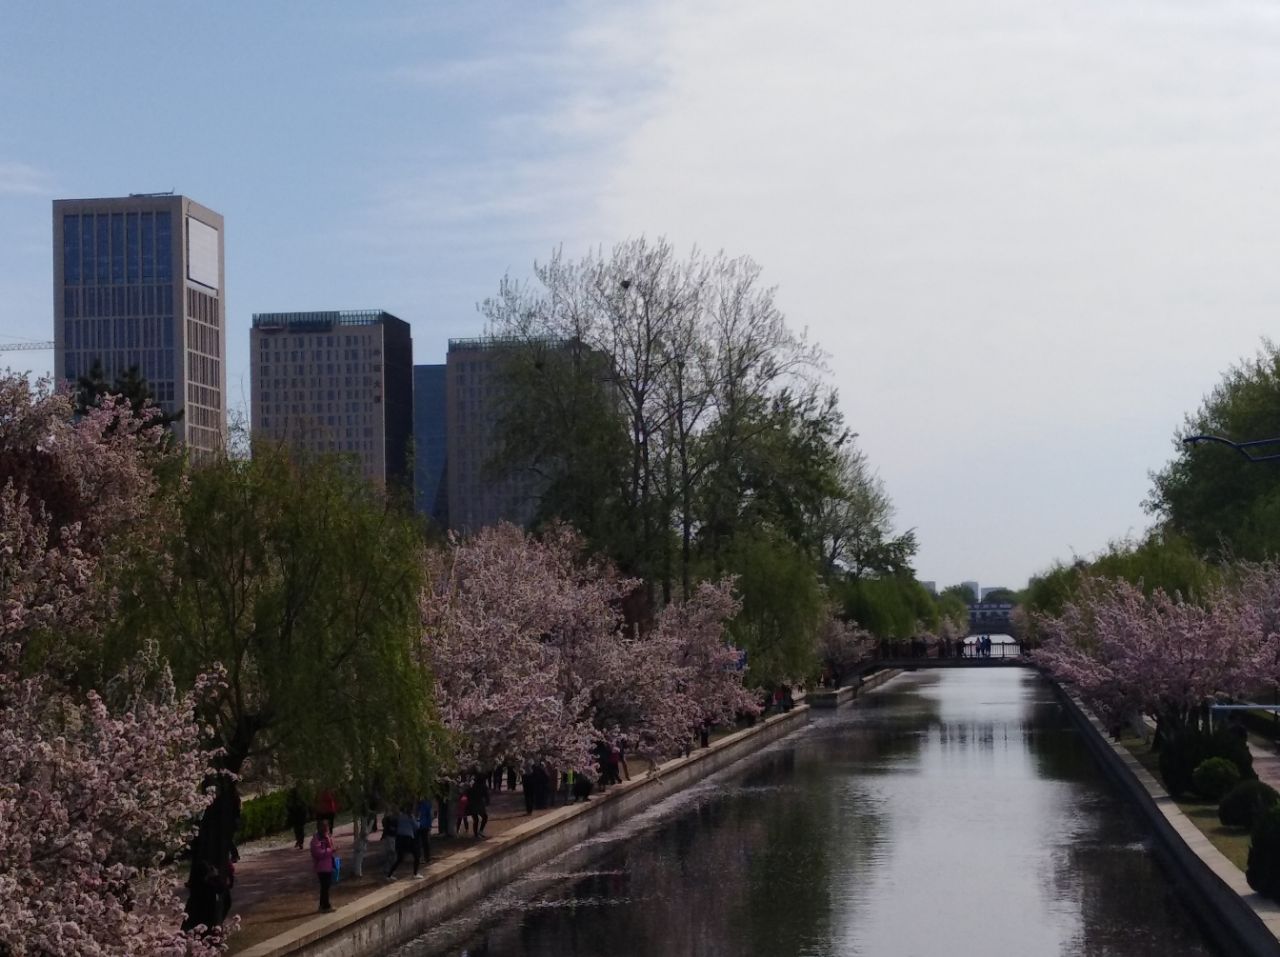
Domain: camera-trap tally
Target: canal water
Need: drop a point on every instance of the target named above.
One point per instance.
(953, 813)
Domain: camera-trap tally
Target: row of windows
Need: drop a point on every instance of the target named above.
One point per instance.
(325, 340)
(331, 369)
(204, 370)
(200, 417)
(117, 301)
(147, 332)
(202, 306)
(349, 432)
(204, 438)
(318, 351)
(205, 396)
(293, 410)
(154, 365)
(329, 402)
(203, 338)
(117, 248)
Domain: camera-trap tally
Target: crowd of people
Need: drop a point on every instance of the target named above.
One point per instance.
(459, 806)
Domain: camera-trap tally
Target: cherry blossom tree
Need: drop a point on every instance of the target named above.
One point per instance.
(843, 645)
(97, 787)
(1159, 655)
(534, 662)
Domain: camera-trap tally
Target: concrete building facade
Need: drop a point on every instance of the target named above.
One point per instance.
(336, 382)
(430, 443)
(139, 283)
(477, 495)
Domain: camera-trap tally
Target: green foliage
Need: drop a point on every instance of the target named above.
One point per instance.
(1214, 777)
(1182, 752)
(1225, 507)
(1163, 559)
(301, 580)
(893, 607)
(264, 815)
(782, 608)
(1244, 804)
(1263, 869)
(131, 385)
(963, 592)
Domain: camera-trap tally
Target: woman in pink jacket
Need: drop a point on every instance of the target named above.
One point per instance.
(322, 851)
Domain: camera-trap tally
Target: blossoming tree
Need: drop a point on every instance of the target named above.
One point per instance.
(534, 662)
(96, 786)
(1158, 654)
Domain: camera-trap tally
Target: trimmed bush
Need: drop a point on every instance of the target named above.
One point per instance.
(1244, 803)
(1181, 754)
(1214, 777)
(263, 815)
(1263, 872)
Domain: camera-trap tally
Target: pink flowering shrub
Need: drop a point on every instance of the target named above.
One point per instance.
(93, 796)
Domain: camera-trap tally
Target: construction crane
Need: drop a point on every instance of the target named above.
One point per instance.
(25, 346)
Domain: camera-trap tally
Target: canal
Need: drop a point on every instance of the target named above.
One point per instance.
(952, 813)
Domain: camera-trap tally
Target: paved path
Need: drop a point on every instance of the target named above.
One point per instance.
(276, 887)
(1266, 762)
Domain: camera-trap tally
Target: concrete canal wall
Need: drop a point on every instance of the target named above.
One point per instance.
(1242, 922)
(399, 912)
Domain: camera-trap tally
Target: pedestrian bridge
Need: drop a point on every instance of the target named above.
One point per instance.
(909, 656)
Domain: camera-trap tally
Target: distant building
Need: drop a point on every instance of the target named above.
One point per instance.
(972, 586)
(930, 587)
(339, 382)
(138, 282)
(987, 591)
(477, 496)
(430, 443)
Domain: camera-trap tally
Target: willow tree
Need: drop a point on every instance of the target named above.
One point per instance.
(301, 582)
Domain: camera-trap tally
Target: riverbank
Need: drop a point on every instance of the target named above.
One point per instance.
(1243, 922)
(390, 914)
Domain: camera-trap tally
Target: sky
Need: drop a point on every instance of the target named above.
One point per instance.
(1029, 236)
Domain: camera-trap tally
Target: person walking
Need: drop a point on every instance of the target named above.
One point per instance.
(405, 844)
(296, 814)
(423, 835)
(322, 853)
(327, 808)
(478, 805)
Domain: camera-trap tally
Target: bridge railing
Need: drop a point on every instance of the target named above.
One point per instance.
(897, 650)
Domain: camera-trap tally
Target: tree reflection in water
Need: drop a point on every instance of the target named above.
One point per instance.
(954, 812)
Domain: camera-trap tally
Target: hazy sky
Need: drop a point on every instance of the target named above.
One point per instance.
(1030, 235)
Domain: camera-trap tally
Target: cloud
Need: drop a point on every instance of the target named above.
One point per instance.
(1031, 235)
(21, 179)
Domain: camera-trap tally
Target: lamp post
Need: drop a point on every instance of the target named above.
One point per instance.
(1244, 448)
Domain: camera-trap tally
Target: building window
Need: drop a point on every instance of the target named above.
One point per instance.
(117, 249)
(71, 250)
(164, 250)
(103, 251)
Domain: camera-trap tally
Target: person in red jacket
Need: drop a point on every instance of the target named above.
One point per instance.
(322, 851)
(327, 808)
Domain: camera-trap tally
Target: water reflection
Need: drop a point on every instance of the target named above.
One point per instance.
(953, 813)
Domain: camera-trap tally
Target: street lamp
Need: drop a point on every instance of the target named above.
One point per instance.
(1242, 447)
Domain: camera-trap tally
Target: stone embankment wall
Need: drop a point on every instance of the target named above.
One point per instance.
(399, 912)
(1242, 922)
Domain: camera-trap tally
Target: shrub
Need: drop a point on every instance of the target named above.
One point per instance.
(1263, 872)
(1182, 753)
(1244, 803)
(1214, 777)
(263, 815)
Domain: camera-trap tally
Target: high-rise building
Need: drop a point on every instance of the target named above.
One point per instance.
(430, 443)
(138, 284)
(479, 494)
(338, 382)
(973, 587)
